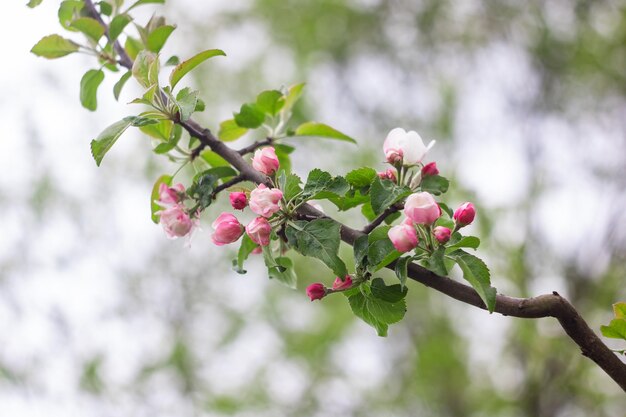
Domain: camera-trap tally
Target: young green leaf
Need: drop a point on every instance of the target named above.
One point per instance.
(117, 88)
(133, 47)
(68, 11)
(477, 274)
(390, 293)
(619, 309)
(320, 184)
(34, 3)
(435, 262)
(89, 88)
(230, 130)
(105, 8)
(320, 239)
(380, 254)
(375, 311)
(385, 193)
(158, 37)
(322, 131)
(435, 184)
(283, 272)
(401, 269)
(88, 26)
(213, 159)
(292, 97)
(246, 248)
(142, 68)
(249, 116)
(361, 177)
(54, 46)
(270, 102)
(186, 101)
(465, 242)
(615, 330)
(101, 145)
(361, 246)
(183, 68)
(154, 196)
(292, 187)
(117, 26)
(141, 2)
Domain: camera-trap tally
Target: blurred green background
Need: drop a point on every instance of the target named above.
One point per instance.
(101, 315)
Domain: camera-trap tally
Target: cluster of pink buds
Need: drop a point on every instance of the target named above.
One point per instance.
(174, 217)
(263, 201)
(317, 290)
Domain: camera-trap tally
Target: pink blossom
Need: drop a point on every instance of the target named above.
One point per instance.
(264, 201)
(389, 174)
(170, 195)
(442, 234)
(265, 160)
(175, 221)
(465, 214)
(259, 231)
(422, 208)
(316, 291)
(430, 169)
(342, 285)
(238, 200)
(403, 237)
(227, 229)
(405, 147)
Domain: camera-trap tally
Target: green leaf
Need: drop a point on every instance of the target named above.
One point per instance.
(380, 254)
(172, 61)
(89, 88)
(390, 293)
(377, 312)
(381, 232)
(90, 27)
(34, 3)
(270, 102)
(368, 212)
(217, 172)
(154, 196)
(320, 239)
(246, 248)
(361, 246)
(140, 121)
(101, 145)
(141, 2)
(283, 272)
(477, 274)
(68, 11)
(249, 116)
(158, 37)
(230, 130)
(292, 187)
(117, 26)
(445, 209)
(402, 269)
(320, 183)
(384, 193)
(282, 153)
(322, 131)
(186, 101)
(133, 47)
(465, 242)
(117, 88)
(349, 201)
(615, 330)
(435, 262)
(105, 8)
(292, 97)
(213, 159)
(142, 68)
(161, 130)
(54, 46)
(435, 184)
(619, 309)
(361, 177)
(183, 68)
(202, 188)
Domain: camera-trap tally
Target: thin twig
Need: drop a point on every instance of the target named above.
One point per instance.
(255, 146)
(227, 184)
(381, 218)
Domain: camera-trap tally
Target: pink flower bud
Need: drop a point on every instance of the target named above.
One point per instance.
(442, 234)
(238, 200)
(316, 291)
(342, 285)
(227, 229)
(257, 250)
(430, 169)
(465, 214)
(264, 201)
(265, 160)
(175, 221)
(170, 195)
(403, 237)
(405, 147)
(389, 174)
(422, 208)
(259, 231)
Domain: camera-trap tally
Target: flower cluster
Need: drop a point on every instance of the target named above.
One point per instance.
(176, 219)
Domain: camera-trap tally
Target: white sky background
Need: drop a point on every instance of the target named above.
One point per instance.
(59, 268)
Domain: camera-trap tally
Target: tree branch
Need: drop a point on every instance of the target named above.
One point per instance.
(255, 146)
(547, 305)
(381, 218)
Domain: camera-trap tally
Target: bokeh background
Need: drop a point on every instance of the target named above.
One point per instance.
(101, 315)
